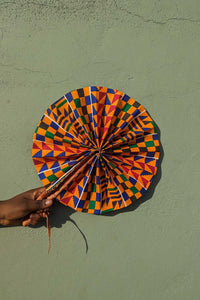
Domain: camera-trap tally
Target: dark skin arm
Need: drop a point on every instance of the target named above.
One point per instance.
(24, 207)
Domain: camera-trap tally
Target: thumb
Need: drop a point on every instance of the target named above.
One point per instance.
(40, 204)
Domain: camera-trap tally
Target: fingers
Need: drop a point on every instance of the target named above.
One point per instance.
(26, 222)
(35, 205)
(33, 193)
(40, 193)
(44, 204)
(34, 219)
(11, 222)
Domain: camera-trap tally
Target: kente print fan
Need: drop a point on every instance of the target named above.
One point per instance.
(96, 150)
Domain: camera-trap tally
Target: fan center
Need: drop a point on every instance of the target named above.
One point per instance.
(98, 151)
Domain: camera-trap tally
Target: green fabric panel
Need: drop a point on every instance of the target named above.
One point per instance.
(112, 165)
(92, 204)
(133, 189)
(113, 189)
(52, 178)
(93, 187)
(126, 107)
(123, 177)
(68, 126)
(61, 104)
(66, 141)
(116, 122)
(154, 126)
(106, 211)
(77, 102)
(66, 169)
(49, 135)
(133, 146)
(83, 119)
(150, 144)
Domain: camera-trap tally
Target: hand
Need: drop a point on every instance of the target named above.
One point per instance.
(24, 208)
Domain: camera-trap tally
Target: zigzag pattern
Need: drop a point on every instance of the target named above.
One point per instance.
(102, 144)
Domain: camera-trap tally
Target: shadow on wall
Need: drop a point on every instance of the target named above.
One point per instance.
(149, 193)
(62, 214)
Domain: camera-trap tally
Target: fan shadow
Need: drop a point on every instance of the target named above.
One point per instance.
(149, 193)
(61, 214)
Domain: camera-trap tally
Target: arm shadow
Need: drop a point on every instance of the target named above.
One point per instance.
(60, 215)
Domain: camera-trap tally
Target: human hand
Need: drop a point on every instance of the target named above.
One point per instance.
(24, 208)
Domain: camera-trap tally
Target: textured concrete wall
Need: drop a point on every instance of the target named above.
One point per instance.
(150, 50)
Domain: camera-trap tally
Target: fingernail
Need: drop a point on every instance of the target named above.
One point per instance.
(48, 202)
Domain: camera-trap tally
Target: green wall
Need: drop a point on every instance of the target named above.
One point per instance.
(150, 50)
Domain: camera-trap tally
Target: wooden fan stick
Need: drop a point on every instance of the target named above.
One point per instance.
(58, 188)
(66, 181)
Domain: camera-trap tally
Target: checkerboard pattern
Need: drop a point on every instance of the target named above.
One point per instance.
(102, 144)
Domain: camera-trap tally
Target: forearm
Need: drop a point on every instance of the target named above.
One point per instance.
(9, 211)
(2, 211)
